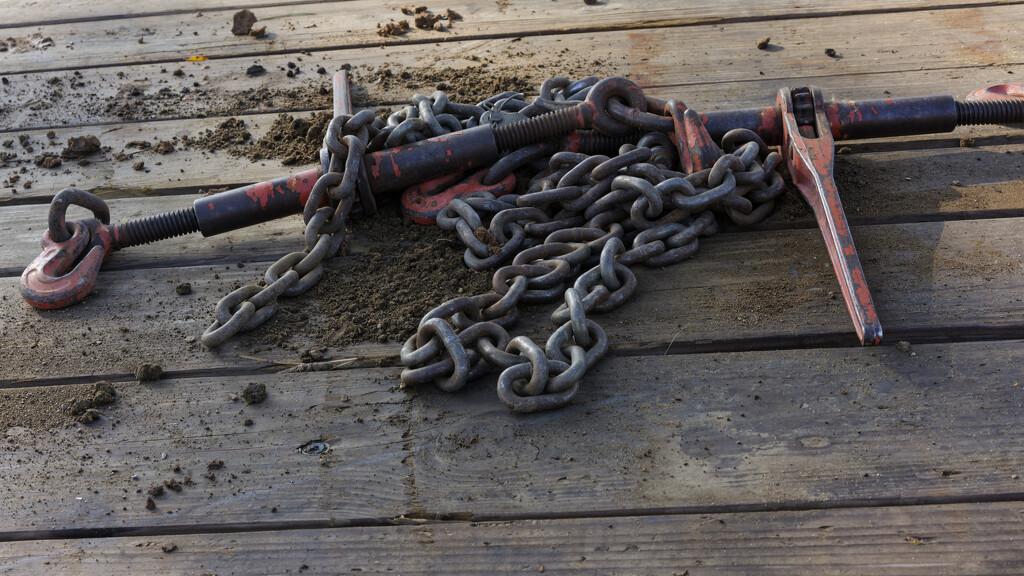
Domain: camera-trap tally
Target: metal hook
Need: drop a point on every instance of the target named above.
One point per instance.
(54, 280)
(60, 275)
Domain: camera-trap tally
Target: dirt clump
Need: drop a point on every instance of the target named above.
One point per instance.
(48, 160)
(229, 133)
(104, 393)
(393, 28)
(89, 416)
(293, 140)
(138, 166)
(763, 43)
(164, 147)
(81, 146)
(427, 20)
(255, 70)
(242, 22)
(254, 393)
(84, 410)
(183, 289)
(215, 465)
(148, 372)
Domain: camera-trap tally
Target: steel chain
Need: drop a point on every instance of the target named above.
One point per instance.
(348, 138)
(573, 236)
(325, 213)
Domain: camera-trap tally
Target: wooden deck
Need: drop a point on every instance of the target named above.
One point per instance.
(720, 436)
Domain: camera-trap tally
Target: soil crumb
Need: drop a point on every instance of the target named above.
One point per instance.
(293, 140)
(255, 70)
(54, 406)
(183, 289)
(215, 465)
(254, 393)
(81, 146)
(229, 133)
(48, 160)
(763, 43)
(427, 20)
(164, 147)
(147, 372)
(393, 28)
(242, 22)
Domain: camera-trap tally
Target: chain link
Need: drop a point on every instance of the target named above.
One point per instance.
(573, 237)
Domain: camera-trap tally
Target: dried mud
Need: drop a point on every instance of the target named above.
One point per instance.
(381, 293)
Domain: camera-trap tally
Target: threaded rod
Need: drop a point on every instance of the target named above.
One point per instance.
(532, 130)
(1002, 111)
(154, 228)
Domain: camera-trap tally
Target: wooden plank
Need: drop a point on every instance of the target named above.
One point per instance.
(728, 432)
(918, 540)
(887, 46)
(930, 281)
(297, 28)
(171, 429)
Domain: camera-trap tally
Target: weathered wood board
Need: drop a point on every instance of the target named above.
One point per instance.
(896, 63)
(179, 34)
(914, 540)
(730, 432)
(931, 281)
(735, 427)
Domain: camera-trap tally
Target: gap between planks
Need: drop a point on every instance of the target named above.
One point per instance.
(439, 519)
(926, 540)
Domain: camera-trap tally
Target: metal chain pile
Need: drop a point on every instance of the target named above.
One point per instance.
(583, 221)
(567, 239)
(347, 139)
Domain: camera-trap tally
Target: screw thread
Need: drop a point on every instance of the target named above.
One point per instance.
(532, 130)
(594, 142)
(1001, 111)
(159, 227)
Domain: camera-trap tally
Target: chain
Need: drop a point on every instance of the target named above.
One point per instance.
(571, 238)
(347, 139)
(326, 211)
(567, 239)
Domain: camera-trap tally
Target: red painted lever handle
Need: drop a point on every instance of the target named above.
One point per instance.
(809, 156)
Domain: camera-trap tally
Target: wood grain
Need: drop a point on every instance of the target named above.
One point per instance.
(705, 433)
(886, 50)
(918, 540)
(172, 36)
(931, 281)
